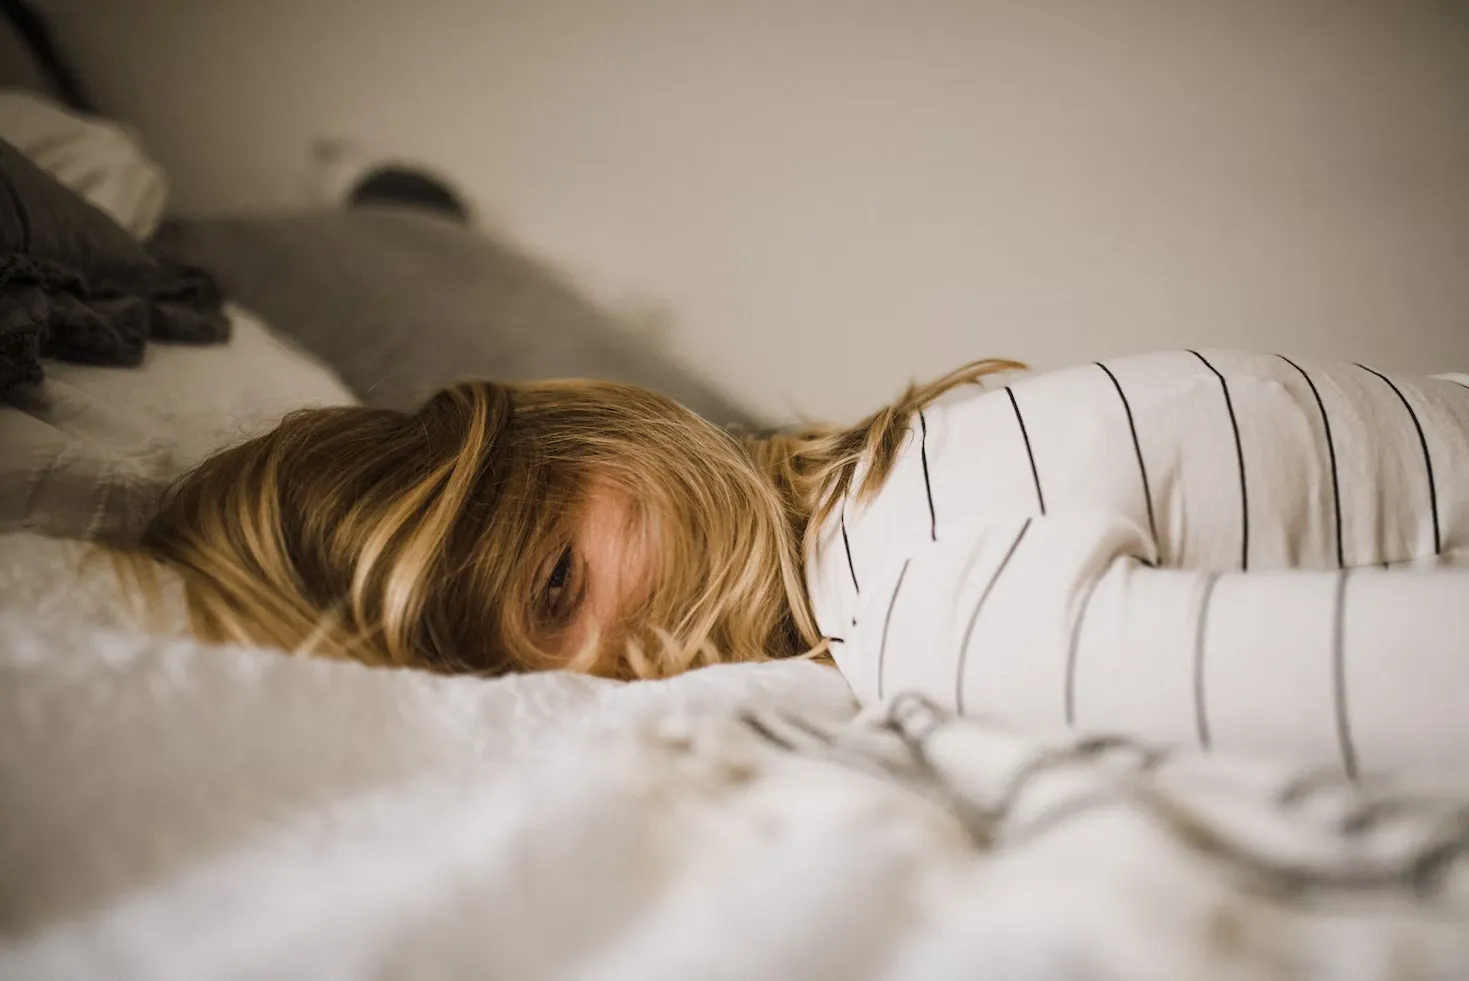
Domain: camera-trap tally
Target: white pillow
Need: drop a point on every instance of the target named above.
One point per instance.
(87, 453)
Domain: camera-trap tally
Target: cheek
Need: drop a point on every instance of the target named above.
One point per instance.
(641, 577)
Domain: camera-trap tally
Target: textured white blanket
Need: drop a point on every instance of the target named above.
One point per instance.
(177, 811)
(173, 810)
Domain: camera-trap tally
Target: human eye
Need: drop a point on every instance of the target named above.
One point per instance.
(557, 596)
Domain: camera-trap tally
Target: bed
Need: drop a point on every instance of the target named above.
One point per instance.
(174, 809)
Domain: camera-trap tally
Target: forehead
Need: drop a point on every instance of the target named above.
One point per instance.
(612, 530)
(618, 560)
(607, 508)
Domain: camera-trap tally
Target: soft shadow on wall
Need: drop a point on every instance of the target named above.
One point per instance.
(828, 197)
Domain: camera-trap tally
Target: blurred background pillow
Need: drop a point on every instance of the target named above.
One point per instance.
(401, 302)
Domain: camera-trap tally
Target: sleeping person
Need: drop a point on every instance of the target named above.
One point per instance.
(1239, 551)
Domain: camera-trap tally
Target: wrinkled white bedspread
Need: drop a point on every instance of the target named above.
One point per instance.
(174, 811)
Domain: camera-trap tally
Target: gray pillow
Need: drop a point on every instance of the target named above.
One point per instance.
(401, 303)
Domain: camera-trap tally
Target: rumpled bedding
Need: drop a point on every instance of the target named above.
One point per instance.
(176, 810)
(74, 285)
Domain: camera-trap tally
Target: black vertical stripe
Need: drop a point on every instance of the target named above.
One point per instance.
(847, 547)
(1239, 453)
(1035, 474)
(1331, 456)
(1344, 739)
(974, 617)
(1138, 449)
(1201, 637)
(1074, 649)
(933, 519)
(887, 621)
(1427, 458)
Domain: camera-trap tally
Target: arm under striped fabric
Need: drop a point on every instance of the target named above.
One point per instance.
(1054, 621)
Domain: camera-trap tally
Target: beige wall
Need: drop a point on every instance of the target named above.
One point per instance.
(826, 197)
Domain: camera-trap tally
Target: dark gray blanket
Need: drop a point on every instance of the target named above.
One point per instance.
(75, 286)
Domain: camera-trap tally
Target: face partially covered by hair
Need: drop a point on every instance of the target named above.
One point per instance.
(581, 525)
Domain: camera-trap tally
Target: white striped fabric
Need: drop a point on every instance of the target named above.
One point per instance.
(1234, 550)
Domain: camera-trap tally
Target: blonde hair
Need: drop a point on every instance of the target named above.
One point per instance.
(421, 539)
